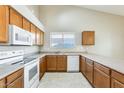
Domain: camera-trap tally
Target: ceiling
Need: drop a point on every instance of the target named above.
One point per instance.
(113, 9)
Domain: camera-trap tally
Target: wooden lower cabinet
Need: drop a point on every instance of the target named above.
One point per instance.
(61, 63)
(51, 62)
(18, 83)
(117, 80)
(42, 66)
(3, 83)
(116, 84)
(89, 70)
(14, 80)
(82, 65)
(101, 80)
(56, 63)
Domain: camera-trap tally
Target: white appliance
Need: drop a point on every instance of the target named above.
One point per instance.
(18, 36)
(31, 73)
(73, 63)
(11, 57)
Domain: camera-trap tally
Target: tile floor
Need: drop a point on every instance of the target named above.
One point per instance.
(64, 80)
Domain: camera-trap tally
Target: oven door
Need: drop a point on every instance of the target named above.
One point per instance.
(31, 75)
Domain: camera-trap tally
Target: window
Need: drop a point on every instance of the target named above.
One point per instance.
(62, 40)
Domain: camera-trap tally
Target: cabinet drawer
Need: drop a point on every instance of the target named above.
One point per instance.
(118, 76)
(116, 84)
(18, 83)
(2, 83)
(14, 76)
(102, 68)
(101, 80)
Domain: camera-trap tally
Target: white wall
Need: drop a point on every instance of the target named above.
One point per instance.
(35, 9)
(109, 29)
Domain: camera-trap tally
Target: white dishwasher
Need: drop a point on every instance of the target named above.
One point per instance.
(73, 63)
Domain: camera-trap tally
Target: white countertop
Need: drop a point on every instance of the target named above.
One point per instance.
(6, 70)
(115, 64)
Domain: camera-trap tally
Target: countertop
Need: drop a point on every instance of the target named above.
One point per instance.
(115, 64)
(6, 70)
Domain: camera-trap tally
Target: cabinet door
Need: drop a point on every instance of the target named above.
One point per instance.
(51, 63)
(26, 25)
(2, 83)
(88, 38)
(41, 68)
(82, 65)
(42, 38)
(18, 83)
(101, 80)
(15, 18)
(89, 72)
(116, 84)
(61, 63)
(38, 36)
(33, 31)
(4, 22)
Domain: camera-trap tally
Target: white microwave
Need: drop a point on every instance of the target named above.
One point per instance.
(19, 36)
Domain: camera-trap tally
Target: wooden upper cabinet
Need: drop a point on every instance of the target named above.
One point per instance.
(61, 63)
(38, 36)
(4, 22)
(42, 38)
(26, 25)
(33, 31)
(15, 18)
(51, 62)
(88, 38)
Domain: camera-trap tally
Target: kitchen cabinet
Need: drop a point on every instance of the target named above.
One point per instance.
(51, 62)
(101, 76)
(61, 63)
(56, 63)
(18, 83)
(89, 70)
(88, 38)
(42, 38)
(33, 31)
(82, 65)
(3, 83)
(4, 22)
(26, 25)
(16, 79)
(38, 36)
(42, 66)
(15, 18)
(116, 84)
(117, 79)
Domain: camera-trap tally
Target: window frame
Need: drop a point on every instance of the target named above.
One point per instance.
(63, 40)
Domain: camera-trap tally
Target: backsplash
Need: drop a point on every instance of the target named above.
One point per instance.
(27, 49)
